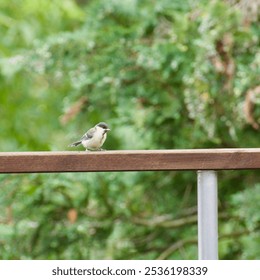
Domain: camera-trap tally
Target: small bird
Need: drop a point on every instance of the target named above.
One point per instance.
(94, 138)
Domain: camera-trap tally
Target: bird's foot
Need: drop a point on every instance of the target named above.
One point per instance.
(96, 150)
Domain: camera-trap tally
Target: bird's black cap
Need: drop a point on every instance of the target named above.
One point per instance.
(103, 125)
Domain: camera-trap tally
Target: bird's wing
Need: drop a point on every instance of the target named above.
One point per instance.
(89, 134)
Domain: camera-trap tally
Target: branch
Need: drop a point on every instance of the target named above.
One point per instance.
(249, 103)
(163, 221)
(73, 110)
(174, 247)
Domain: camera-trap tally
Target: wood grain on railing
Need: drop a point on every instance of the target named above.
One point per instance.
(130, 160)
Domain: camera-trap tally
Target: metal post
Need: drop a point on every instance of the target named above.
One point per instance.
(207, 215)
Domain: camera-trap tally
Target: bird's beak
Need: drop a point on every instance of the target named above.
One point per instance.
(107, 129)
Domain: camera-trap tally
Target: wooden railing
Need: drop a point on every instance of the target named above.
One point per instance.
(140, 160)
(205, 161)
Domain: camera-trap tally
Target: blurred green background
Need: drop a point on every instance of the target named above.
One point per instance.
(165, 74)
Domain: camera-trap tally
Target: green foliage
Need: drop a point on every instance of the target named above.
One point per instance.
(163, 74)
(23, 22)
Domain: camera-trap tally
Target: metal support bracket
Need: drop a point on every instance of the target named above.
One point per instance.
(207, 215)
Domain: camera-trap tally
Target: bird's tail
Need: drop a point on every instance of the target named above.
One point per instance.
(75, 144)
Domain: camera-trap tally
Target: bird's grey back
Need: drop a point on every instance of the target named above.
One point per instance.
(89, 134)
